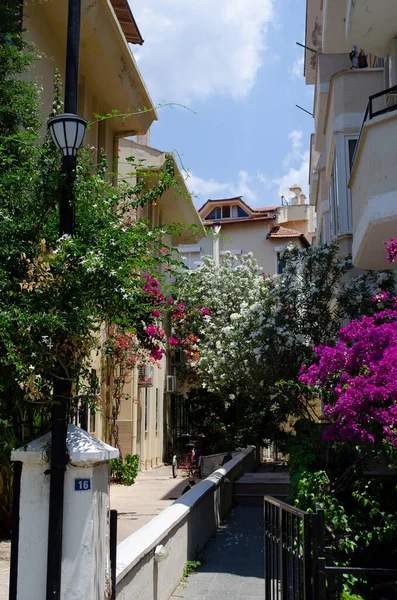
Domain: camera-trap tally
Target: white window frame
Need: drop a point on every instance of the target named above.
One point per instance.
(342, 204)
(277, 251)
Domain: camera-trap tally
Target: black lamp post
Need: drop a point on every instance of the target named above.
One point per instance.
(67, 131)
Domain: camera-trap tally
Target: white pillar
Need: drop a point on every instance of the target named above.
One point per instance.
(85, 569)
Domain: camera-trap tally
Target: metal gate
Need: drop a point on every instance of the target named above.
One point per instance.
(287, 552)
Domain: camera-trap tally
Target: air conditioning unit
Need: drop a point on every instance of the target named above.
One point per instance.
(170, 383)
(145, 376)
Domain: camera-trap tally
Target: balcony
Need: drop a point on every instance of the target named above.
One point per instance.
(107, 66)
(313, 38)
(175, 205)
(348, 95)
(373, 182)
(334, 14)
(327, 67)
(368, 27)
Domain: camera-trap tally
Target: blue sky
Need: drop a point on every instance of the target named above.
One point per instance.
(234, 63)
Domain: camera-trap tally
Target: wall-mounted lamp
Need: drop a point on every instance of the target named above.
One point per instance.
(161, 553)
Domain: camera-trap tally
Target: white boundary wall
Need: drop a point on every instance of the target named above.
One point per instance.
(183, 528)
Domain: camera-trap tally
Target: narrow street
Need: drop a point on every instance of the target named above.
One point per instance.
(232, 565)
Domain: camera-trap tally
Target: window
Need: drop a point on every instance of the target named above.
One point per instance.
(146, 408)
(226, 212)
(214, 214)
(339, 193)
(157, 410)
(333, 202)
(238, 212)
(280, 264)
(352, 143)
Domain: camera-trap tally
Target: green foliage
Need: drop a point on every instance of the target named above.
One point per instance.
(124, 472)
(361, 520)
(189, 567)
(57, 292)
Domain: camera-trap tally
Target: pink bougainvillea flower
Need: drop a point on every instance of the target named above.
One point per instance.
(155, 313)
(173, 341)
(156, 353)
(205, 311)
(151, 330)
(391, 249)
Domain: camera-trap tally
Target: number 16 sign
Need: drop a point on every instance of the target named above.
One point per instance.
(82, 485)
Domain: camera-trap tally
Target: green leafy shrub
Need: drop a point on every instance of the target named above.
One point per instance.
(124, 472)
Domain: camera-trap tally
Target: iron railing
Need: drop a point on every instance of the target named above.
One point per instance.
(328, 579)
(370, 113)
(113, 551)
(287, 552)
(300, 566)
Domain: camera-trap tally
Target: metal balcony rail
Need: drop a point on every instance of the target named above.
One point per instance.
(370, 113)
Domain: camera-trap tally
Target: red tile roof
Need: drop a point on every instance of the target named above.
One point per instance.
(127, 21)
(265, 208)
(284, 232)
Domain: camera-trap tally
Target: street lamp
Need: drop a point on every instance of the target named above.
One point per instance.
(67, 132)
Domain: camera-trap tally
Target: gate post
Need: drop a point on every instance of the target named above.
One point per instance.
(85, 569)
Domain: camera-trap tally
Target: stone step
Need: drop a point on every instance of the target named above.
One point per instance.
(255, 499)
(262, 484)
(266, 489)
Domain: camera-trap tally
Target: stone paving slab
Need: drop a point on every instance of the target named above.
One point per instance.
(232, 562)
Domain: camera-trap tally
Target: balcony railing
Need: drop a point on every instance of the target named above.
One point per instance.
(370, 111)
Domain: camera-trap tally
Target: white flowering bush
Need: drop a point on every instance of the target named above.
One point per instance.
(260, 330)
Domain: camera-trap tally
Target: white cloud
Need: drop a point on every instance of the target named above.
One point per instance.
(210, 188)
(297, 68)
(296, 166)
(195, 49)
(296, 136)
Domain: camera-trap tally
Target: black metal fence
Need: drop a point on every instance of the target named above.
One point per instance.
(113, 551)
(300, 566)
(377, 106)
(287, 552)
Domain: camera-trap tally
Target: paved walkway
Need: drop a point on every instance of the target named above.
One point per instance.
(233, 562)
(152, 492)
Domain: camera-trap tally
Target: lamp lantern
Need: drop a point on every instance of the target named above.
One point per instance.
(67, 131)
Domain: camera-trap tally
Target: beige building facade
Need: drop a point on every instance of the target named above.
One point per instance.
(353, 180)
(144, 421)
(235, 227)
(109, 80)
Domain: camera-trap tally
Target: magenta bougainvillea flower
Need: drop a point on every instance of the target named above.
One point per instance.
(391, 250)
(358, 379)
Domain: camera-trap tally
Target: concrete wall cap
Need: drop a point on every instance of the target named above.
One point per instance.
(131, 550)
(82, 446)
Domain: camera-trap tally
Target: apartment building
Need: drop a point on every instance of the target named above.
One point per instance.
(233, 226)
(109, 80)
(351, 59)
(144, 420)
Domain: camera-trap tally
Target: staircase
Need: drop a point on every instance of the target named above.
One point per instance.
(250, 489)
